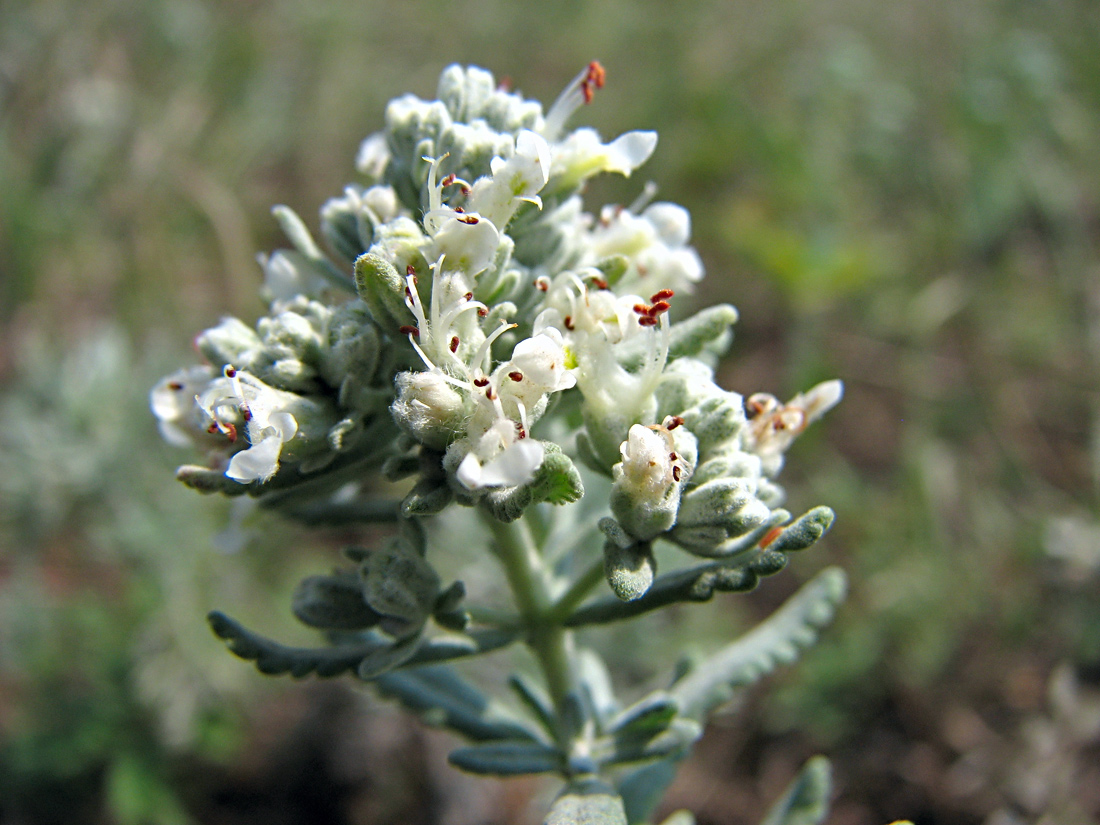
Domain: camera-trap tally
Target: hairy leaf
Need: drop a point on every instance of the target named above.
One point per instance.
(806, 800)
(778, 640)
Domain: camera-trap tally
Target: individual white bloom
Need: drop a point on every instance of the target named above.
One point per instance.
(448, 322)
(773, 427)
(288, 274)
(595, 324)
(241, 398)
(499, 458)
(655, 241)
(179, 417)
(382, 202)
(517, 179)
(582, 155)
(373, 156)
(428, 407)
(537, 368)
(649, 462)
(468, 240)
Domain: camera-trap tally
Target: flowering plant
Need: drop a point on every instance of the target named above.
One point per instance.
(473, 333)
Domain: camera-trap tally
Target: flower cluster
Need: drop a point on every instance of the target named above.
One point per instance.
(473, 327)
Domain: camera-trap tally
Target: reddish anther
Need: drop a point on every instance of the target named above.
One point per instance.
(568, 321)
(599, 283)
(231, 433)
(516, 375)
(647, 321)
(230, 372)
(659, 307)
(481, 382)
(521, 433)
(448, 180)
(673, 422)
(482, 312)
(470, 219)
(469, 296)
(673, 457)
(676, 472)
(593, 80)
(247, 413)
(661, 295)
(490, 394)
(410, 270)
(175, 386)
(409, 329)
(641, 309)
(454, 344)
(541, 285)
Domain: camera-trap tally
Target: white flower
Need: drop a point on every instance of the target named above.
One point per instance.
(649, 463)
(499, 458)
(582, 155)
(519, 178)
(773, 427)
(428, 407)
(468, 240)
(241, 398)
(173, 401)
(288, 274)
(373, 156)
(654, 241)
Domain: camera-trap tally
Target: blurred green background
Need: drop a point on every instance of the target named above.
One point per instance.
(903, 195)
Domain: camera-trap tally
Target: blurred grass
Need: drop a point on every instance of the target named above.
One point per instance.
(904, 196)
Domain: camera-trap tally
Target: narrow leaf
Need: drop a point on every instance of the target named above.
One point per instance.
(507, 759)
(806, 800)
(777, 640)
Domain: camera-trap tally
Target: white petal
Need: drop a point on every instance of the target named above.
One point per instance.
(515, 466)
(629, 151)
(259, 462)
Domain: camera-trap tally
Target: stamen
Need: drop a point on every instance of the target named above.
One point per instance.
(672, 422)
(409, 329)
(645, 196)
(454, 344)
(661, 295)
(542, 283)
(481, 382)
(577, 93)
(230, 432)
(659, 307)
(516, 375)
(676, 472)
(175, 386)
(568, 321)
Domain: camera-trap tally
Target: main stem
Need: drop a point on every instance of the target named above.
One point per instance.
(531, 587)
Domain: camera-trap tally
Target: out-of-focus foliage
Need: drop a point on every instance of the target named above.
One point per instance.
(904, 195)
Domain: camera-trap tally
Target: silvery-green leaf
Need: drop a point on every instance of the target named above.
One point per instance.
(398, 583)
(775, 641)
(333, 603)
(507, 758)
(629, 570)
(384, 659)
(806, 800)
(804, 532)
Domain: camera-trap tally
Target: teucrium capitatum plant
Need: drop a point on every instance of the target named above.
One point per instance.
(474, 330)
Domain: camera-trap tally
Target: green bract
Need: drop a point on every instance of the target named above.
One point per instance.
(472, 330)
